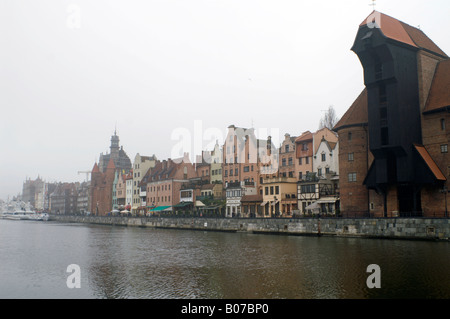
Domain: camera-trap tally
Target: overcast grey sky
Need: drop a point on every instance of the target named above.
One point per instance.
(70, 71)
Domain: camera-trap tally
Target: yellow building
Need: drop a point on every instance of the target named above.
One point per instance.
(279, 196)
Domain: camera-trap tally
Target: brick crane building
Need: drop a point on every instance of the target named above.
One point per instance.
(393, 140)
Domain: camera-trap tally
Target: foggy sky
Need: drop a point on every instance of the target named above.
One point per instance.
(73, 71)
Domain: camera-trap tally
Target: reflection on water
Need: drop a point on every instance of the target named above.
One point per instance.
(121, 262)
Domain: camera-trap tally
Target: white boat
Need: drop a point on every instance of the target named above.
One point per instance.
(17, 215)
(25, 215)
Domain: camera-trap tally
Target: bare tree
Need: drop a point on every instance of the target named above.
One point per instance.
(329, 119)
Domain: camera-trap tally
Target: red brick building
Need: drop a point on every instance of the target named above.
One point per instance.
(101, 189)
(393, 140)
(164, 183)
(103, 175)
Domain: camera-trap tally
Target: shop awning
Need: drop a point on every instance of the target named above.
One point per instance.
(314, 205)
(160, 208)
(182, 204)
(199, 203)
(326, 200)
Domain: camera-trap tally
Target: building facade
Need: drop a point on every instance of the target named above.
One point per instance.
(141, 165)
(390, 164)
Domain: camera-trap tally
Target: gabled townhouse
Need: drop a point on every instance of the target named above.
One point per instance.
(164, 183)
(141, 165)
(246, 158)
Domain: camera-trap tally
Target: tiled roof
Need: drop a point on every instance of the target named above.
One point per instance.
(111, 164)
(402, 32)
(95, 169)
(430, 163)
(439, 94)
(356, 114)
(305, 136)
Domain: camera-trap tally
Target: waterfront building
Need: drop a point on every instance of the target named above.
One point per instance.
(279, 197)
(251, 206)
(101, 189)
(83, 198)
(246, 158)
(120, 190)
(30, 189)
(288, 165)
(141, 165)
(203, 166)
(318, 194)
(304, 153)
(128, 179)
(117, 154)
(114, 191)
(393, 157)
(164, 182)
(63, 199)
(103, 175)
(216, 164)
(326, 157)
(234, 192)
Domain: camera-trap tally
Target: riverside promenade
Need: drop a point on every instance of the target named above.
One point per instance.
(437, 229)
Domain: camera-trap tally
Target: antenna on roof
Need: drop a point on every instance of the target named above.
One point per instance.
(373, 4)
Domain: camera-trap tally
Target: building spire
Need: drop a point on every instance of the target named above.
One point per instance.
(373, 4)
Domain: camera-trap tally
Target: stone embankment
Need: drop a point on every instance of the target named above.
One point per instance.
(389, 228)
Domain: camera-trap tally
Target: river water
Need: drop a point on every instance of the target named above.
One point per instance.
(130, 262)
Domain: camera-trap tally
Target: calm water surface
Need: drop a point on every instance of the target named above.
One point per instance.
(121, 262)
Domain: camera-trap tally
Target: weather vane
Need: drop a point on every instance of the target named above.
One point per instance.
(373, 4)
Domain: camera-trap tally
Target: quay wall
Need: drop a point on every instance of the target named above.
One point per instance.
(388, 228)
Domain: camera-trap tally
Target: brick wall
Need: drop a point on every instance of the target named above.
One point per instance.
(354, 195)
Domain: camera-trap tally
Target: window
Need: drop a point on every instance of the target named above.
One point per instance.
(444, 148)
(299, 161)
(384, 136)
(327, 170)
(382, 96)
(378, 71)
(283, 162)
(443, 124)
(304, 147)
(290, 161)
(246, 168)
(271, 190)
(277, 190)
(308, 188)
(267, 190)
(286, 148)
(307, 160)
(383, 116)
(319, 171)
(352, 177)
(350, 157)
(349, 136)
(323, 157)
